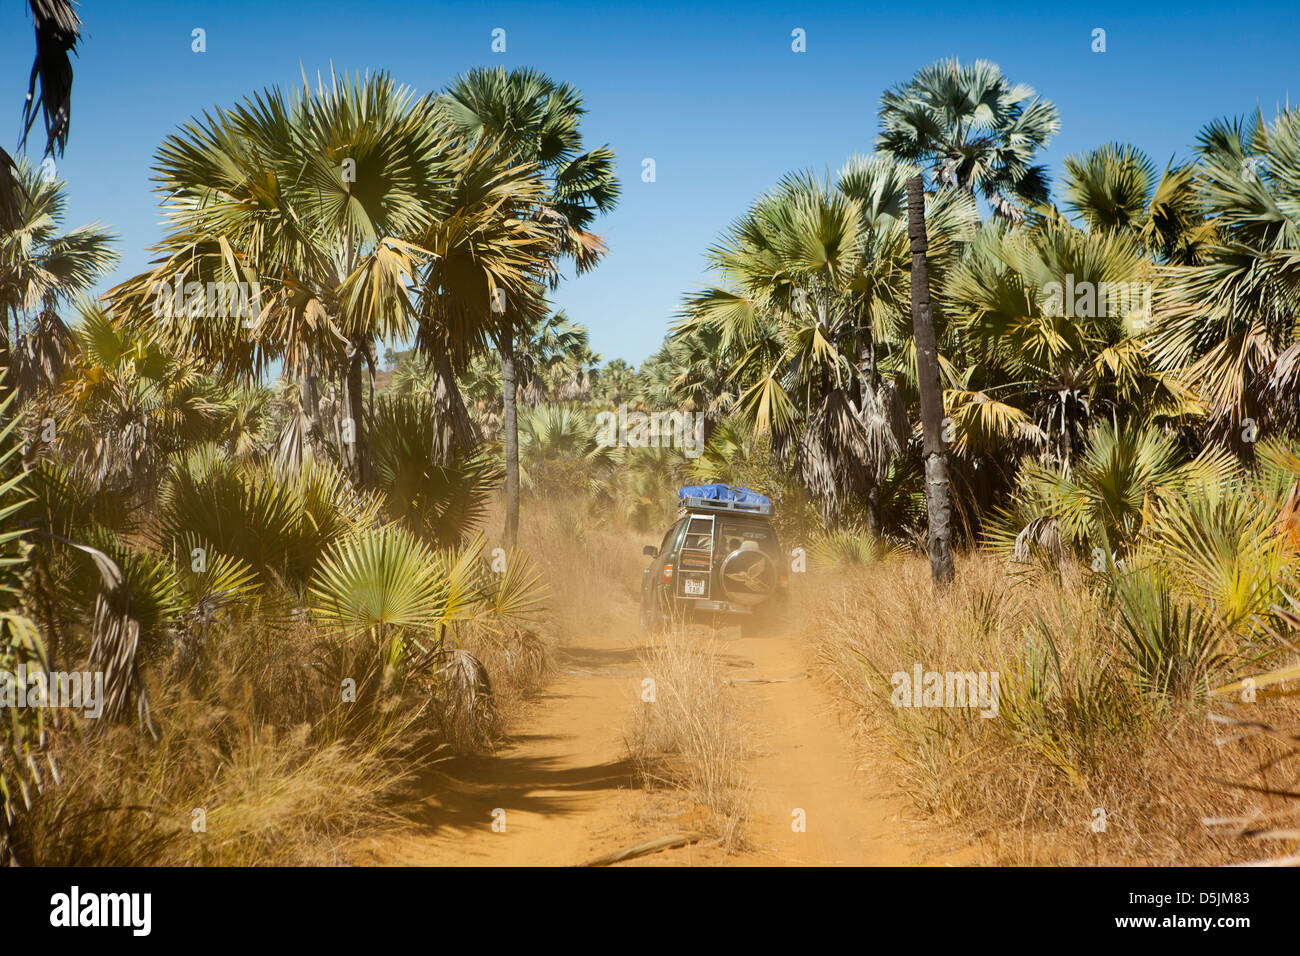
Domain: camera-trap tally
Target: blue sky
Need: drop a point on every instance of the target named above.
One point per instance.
(712, 92)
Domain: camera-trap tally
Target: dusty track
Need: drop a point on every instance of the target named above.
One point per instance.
(569, 794)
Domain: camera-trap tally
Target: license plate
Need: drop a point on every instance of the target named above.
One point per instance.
(693, 587)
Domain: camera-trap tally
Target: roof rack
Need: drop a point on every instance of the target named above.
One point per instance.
(700, 503)
(710, 504)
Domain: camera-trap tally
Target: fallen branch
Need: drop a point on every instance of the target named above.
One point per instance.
(767, 680)
(670, 842)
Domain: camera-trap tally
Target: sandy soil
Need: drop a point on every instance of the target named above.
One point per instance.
(569, 795)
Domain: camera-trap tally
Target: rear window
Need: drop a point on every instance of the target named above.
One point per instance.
(733, 535)
(699, 535)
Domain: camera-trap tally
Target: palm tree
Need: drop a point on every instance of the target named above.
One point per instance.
(487, 252)
(20, 639)
(441, 503)
(1121, 476)
(1228, 322)
(554, 361)
(973, 130)
(1115, 188)
(41, 270)
(937, 495)
(1035, 368)
(691, 370)
(536, 120)
(126, 405)
(813, 321)
(311, 200)
(560, 451)
(614, 382)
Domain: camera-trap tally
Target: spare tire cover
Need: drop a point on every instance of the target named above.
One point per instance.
(748, 576)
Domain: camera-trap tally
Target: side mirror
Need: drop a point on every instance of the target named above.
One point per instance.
(650, 551)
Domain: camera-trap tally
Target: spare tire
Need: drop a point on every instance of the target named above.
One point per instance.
(748, 576)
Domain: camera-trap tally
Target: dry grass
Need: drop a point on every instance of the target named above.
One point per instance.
(1072, 736)
(254, 742)
(588, 567)
(689, 736)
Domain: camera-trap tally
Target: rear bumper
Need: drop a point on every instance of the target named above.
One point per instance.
(716, 608)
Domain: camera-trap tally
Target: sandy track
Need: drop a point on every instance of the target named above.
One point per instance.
(804, 761)
(563, 781)
(569, 794)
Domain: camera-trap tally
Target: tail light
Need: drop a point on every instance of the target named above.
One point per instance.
(668, 574)
(783, 583)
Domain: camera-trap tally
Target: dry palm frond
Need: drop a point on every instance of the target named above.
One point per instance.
(115, 640)
(463, 702)
(58, 28)
(526, 657)
(834, 455)
(1039, 536)
(41, 354)
(884, 416)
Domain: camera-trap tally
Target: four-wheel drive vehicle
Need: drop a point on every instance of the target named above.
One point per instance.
(720, 561)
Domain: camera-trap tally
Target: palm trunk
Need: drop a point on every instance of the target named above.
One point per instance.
(937, 492)
(297, 439)
(510, 425)
(357, 450)
(867, 366)
(456, 437)
(873, 510)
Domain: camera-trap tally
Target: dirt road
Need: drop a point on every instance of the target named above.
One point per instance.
(568, 795)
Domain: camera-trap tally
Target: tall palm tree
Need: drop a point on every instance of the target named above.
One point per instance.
(813, 320)
(973, 129)
(537, 120)
(488, 260)
(937, 494)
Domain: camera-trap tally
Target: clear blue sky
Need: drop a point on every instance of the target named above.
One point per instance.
(712, 92)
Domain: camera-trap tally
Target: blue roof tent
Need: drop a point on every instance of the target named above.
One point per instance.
(725, 496)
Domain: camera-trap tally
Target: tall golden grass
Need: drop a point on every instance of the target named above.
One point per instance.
(689, 736)
(1080, 765)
